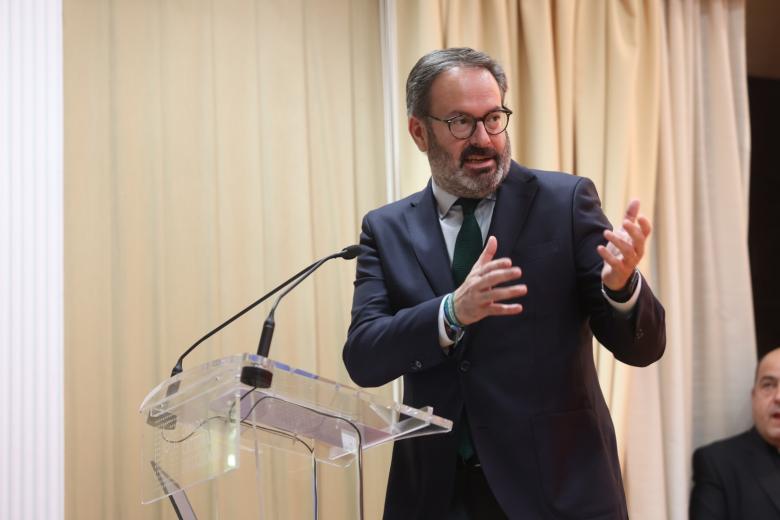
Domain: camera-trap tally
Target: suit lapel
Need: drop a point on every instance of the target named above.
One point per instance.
(422, 222)
(765, 467)
(513, 203)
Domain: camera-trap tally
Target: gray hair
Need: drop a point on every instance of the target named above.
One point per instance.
(427, 68)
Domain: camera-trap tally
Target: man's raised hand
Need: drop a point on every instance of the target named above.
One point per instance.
(479, 295)
(625, 248)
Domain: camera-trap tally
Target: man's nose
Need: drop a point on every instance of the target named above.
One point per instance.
(480, 137)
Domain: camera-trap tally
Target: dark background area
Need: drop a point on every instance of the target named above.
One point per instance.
(763, 56)
(764, 234)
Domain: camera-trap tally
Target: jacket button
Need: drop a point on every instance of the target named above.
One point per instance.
(465, 365)
(639, 334)
(417, 365)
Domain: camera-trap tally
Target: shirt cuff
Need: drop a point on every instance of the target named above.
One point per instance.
(624, 308)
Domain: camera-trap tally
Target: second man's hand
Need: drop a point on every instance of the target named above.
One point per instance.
(479, 296)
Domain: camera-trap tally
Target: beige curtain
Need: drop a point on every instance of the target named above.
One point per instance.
(648, 99)
(700, 392)
(212, 149)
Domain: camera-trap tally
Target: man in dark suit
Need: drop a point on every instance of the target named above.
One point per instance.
(438, 301)
(739, 478)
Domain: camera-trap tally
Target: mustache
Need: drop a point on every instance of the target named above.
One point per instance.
(477, 150)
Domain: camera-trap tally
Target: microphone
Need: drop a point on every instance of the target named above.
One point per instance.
(260, 377)
(347, 253)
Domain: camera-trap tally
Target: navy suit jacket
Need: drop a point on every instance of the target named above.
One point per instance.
(736, 478)
(528, 382)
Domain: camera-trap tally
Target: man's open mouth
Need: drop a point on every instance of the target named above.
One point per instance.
(478, 157)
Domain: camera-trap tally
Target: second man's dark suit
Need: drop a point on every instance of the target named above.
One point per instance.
(735, 479)
(528, 382)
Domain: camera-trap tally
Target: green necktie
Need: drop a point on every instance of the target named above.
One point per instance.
(468, 247)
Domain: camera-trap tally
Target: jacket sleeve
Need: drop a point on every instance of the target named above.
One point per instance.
(637, 339)
(385, 342)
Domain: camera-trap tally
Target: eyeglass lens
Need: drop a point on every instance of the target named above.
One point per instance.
(463, 126)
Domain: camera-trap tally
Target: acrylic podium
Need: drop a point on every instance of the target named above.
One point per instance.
(199, 423)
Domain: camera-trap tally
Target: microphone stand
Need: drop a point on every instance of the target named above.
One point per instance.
(260, 377)
(347, 253)
(177, 368)
(252, 375)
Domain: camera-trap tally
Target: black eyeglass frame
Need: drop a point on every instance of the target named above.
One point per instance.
(450, 120)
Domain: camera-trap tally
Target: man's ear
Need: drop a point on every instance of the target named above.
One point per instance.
(419, 134)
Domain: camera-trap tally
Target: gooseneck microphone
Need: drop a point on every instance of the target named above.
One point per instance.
(347, 253)
(260, 377)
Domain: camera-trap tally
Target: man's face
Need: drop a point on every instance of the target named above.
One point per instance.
(472, 167)
(766, 398)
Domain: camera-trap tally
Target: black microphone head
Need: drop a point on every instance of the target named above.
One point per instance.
(350, 252)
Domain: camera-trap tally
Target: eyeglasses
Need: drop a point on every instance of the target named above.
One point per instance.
(463, 126)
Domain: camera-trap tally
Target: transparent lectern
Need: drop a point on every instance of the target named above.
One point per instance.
(197, 424)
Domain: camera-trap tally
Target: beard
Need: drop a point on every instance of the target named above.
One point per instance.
(451, 175)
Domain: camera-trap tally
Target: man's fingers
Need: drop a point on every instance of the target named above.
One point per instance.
(632, 229)
(489, 267)
(504, 309)
(505, 293)
(615, 262)
(645, 226)
(625, 247)
(618, 240)
(632, 210)
(488, 252)
(637, 238)
(498, 263)
(497, 277)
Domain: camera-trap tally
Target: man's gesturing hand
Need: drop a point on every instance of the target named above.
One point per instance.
(477, 296)
(625, 248)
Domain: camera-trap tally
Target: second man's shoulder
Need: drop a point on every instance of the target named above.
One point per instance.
(730, 446)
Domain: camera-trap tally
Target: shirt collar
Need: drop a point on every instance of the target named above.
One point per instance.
(445, 200)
